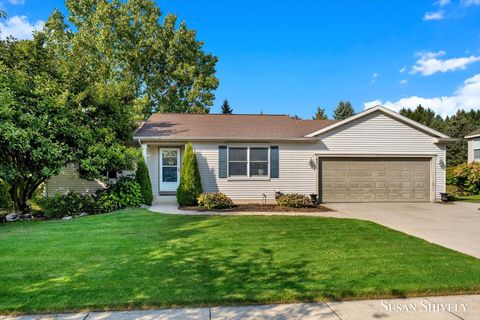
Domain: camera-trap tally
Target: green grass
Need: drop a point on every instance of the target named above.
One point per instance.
(138, 259)
(475, 198)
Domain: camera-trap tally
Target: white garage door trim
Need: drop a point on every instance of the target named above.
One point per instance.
(432, 157)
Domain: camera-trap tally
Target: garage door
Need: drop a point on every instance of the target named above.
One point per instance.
(374, 180)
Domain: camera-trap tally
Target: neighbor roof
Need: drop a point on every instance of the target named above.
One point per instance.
(188, 126)
(473, 134)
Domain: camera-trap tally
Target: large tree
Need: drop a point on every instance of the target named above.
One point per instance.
(226, 109)
(47, 120)
(320, 114)
(163, 59)
(458, 126)
(344, 110)
(425, 116)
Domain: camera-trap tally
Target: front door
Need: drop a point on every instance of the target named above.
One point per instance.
(169, 169)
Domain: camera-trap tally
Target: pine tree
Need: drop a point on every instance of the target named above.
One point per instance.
(320, 114)
(344, 110)
(190, 182)
(226, 107)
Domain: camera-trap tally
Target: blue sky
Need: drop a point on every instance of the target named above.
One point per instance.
(292, 56)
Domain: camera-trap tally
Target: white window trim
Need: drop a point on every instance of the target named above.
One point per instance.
(248, 176)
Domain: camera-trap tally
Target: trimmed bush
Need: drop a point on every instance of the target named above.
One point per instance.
(68, 204)
(293, 200)
(190, 186)
(466, 177)
(124, 193)
(214, 200)
(143, 179)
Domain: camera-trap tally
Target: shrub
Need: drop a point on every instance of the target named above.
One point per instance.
(60, 206)
(293, 200)
(124, 193)
(143, 179)
(466, 177)
(214, 200)
(190, 186)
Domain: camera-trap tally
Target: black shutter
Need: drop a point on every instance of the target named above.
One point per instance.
(274, 165)
(222, 161)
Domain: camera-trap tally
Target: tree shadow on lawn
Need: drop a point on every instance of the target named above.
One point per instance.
(189, 261)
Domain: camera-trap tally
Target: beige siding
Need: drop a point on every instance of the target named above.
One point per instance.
(374, 134)
(296, 175)
(69, 180)
(470, 150)
(152, 164)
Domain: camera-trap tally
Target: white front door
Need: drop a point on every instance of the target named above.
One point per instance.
(169, 169)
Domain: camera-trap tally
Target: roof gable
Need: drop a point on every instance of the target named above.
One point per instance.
(386, 111)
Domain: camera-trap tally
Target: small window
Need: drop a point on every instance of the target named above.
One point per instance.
(237, 161)
(476, 149)
(258, 162)
(476, 154)
(112, 175)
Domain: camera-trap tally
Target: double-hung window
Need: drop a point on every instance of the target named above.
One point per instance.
(476, 149)
(258, 162)
(248, 162)
(237, 162)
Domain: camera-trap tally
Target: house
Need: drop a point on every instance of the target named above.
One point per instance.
(374, 156)
(69, 180)
(473, 146)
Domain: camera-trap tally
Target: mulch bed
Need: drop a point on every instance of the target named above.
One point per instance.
(253, 207)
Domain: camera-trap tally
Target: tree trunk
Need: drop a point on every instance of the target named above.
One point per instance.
(21, 191)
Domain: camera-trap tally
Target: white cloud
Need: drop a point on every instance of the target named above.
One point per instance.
(404, 81)
(403, 69)
(428, 63)
(19, 27)
(442, 3)
(467, 96)
(17, 2)
(471, 2)
(438, 15)
(374, 77)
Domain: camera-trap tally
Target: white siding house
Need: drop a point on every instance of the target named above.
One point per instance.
(473, 146)
(375, 134)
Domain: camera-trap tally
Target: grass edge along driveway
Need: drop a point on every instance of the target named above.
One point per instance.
(135, 259)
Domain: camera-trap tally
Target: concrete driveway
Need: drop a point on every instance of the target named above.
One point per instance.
(455, 225)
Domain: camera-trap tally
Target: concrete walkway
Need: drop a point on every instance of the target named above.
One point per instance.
(170, 208)
(447, 307)
(454, 225)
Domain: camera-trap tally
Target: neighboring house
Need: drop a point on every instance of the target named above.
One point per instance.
(374, 156)
(69, 180)
(473, 146)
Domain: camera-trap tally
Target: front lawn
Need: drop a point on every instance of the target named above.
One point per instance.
(475, 198)
(138, 259)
